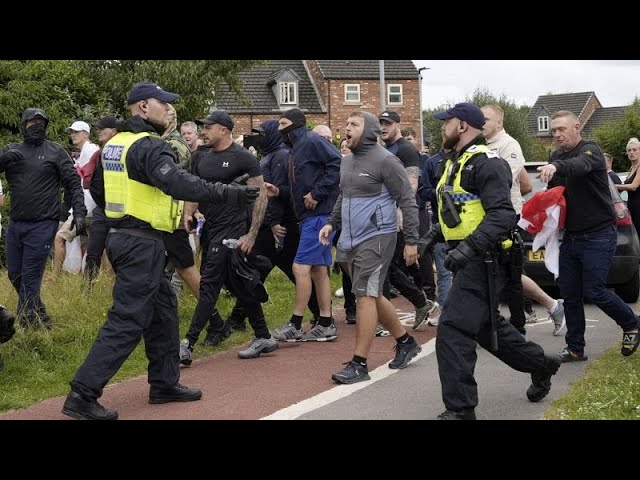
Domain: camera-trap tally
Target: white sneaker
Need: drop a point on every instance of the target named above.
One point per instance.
(339, 292)
(434, 317)
(559, 321)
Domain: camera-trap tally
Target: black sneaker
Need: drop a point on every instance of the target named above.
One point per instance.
(404, 353)
(351, 319)
(237, 325)
(352, 373)
(177, 393)
(630, 342)
(214, 339)
(541, 381)
(77, 407)
(567, 355)
(464, 414)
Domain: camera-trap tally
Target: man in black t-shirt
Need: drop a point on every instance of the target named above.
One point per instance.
(223, 160)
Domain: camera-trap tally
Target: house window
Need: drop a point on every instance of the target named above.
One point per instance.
(352, 93)
(543, 124)
(288, 93)
(394, 94)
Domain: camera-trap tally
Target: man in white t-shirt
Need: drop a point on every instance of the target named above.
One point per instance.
(79, 132)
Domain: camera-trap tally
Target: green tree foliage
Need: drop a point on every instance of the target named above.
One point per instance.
(613, 136)
(515, 123)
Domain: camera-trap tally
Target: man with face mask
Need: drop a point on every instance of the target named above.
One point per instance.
(141, 184)
(36, 169)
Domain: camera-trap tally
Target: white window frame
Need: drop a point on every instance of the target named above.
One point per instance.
(395, 87)
(288, 93)
(543, 123)
(348, 92)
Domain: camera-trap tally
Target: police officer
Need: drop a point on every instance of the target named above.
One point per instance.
(140, 179)
(476, 216)
(35, 170)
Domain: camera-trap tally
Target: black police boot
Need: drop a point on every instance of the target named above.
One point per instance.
(77, 407)
(177, 393)
(464, 414)
(541, 380)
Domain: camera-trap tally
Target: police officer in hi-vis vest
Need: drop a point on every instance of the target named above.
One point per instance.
(141, 186)
(476, 217)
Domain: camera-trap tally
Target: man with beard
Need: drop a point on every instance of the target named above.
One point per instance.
(140, 178)
(36, 169)
(372, 181)
(476, 217)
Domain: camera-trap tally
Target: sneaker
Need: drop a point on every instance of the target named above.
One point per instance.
(314, 321)
(352, 373)
(258, 346)
(381, 331)
(76, 406)
(630, 342)
(405, 353)
(287, 333)
(559, 322)
(339, 292)
(213, 339)
(394, 292)
(321, 334)
(186, 351)
(531, 317)
(422, 313)
(351, 319)
(567, 355)
(237, 325)
(464, 414)
(541, 381)
(434, 317)
(177, 393)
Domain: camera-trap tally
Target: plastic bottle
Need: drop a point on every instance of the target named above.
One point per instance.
(230, 242)
(279, 243)
(199, 227)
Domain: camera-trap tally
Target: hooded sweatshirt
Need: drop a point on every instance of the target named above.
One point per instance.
(372, 182)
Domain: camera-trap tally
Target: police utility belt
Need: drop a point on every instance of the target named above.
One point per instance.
(509, 250)
(138, 232)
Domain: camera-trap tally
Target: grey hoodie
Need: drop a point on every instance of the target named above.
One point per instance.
(372, 181)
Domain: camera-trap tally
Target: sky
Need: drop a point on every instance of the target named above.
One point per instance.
(615, 82)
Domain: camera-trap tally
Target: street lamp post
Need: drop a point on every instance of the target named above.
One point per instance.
(421, 107)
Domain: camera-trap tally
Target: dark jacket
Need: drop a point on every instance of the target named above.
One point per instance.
(274, 165)
(243, 278)
(35, 182)
(429, 180)
(314, 166)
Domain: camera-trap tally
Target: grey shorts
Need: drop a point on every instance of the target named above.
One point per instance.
(368, 264)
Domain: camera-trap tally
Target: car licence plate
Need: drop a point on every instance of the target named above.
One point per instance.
(536, 256)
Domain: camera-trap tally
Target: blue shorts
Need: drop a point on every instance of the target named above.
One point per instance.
(310, 250)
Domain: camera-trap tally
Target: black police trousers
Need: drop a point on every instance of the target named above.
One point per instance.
(465, 321)
(144, 306)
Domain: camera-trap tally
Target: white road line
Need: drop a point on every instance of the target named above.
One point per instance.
(341, 391)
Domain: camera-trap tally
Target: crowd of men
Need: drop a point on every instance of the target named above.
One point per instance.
(152, 194)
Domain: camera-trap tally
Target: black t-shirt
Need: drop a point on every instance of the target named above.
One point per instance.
(224, 221)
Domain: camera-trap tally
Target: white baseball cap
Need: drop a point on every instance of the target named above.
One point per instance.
(79, 126)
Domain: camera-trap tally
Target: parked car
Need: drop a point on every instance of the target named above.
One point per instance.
(624, 275)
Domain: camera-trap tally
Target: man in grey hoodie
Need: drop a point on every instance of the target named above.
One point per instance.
(372, 182)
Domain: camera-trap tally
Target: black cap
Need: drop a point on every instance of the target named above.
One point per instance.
(296, 116)
(31, 113)
(220, 117)
(257, 129)
(107, 122)
(142, 91)
(389, 116)
(467, 112)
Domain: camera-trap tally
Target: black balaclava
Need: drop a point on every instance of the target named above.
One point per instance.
(298, 120)
(35, 134)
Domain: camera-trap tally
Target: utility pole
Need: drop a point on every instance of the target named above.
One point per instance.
(383, 103)
(421, 106)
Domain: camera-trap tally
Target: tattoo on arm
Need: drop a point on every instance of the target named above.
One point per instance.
(259, 207)
(413, 173)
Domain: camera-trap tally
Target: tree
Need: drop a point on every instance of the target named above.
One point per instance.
(612, 137)
(515, 123)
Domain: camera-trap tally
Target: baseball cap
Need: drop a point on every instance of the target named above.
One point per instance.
(31, 113)
(467, 112)
(389, 116)
(220, 117)
(79, 126)
(107, 122)
(144, 90)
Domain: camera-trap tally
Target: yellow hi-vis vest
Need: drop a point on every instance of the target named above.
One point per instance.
(124, 196)
(470, 207)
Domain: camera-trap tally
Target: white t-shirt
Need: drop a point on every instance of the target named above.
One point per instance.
(508, 148)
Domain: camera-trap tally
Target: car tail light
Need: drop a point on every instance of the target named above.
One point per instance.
(623, 217)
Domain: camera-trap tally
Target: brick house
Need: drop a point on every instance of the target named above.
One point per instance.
(584, 105)
(326, 90)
